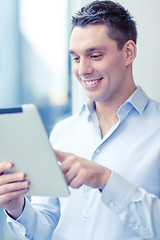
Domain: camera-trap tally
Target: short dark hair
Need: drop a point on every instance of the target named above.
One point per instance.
(120, 23)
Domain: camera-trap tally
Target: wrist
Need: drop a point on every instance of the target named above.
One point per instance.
(17, 211)
(105, 178)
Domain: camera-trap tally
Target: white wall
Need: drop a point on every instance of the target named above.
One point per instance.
(147, 62)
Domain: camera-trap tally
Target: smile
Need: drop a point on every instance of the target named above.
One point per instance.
(92, 82)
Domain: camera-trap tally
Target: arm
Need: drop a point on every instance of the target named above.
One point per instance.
(38, 220)
(134, 206)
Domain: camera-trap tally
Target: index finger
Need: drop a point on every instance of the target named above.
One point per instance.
(5, 166)
(61, 156)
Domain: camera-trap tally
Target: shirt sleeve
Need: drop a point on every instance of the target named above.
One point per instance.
(134, 206)
(38, 219)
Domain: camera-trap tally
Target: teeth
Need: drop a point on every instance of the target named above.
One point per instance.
(89, 83)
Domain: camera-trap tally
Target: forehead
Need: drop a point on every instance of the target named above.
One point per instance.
(83, 38)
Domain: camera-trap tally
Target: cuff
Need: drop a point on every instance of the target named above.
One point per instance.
(118, 193)
(25, 223)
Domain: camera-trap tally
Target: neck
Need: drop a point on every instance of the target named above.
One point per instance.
(107, 117)
(107, 111)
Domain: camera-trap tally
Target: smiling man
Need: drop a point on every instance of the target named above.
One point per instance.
(109, 152)
(103, 69)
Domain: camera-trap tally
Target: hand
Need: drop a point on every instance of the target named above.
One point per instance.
(79, 171)
(12, 188)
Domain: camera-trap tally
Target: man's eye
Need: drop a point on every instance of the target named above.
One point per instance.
(75, 59)
(98, 56)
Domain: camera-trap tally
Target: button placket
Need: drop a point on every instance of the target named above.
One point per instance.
(98, 150)
(86, 215)
(112, 204)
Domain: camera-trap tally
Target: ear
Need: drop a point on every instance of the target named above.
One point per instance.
(130, 52)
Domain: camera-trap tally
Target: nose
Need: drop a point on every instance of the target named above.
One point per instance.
(84, 67)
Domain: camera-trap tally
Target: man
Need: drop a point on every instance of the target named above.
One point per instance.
(109, 152)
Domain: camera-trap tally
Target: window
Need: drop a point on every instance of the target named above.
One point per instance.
(34, 57)
(34, 62)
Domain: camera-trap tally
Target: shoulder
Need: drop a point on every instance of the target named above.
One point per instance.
(64, 128)
(67, 122)
(153, 107)
(151, 115)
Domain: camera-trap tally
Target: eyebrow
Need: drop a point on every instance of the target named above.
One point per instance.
(91, 49)
(71, 52)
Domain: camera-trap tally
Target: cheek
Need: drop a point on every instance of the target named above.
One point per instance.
(116, 67)
(75, 70)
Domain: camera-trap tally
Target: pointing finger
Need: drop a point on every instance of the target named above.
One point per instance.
(61, 156)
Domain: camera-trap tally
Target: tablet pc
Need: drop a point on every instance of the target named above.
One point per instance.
(24, 142)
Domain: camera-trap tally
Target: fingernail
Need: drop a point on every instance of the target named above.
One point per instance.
(21, 175)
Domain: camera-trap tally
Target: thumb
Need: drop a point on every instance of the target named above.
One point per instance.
(61, 156)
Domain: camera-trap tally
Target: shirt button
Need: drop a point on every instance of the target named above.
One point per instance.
(19, 227)
(111, 204)
(136, 227)
(98, 151)
(86, 215)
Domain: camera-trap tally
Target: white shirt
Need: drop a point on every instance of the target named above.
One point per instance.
(129, 206)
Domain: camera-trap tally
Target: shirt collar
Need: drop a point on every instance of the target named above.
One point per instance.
(89, 106)
(138, 100)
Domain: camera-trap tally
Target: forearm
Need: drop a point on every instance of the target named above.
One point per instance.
(134, 206)
(36, 222)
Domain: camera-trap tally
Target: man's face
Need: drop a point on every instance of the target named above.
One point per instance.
(97, 62)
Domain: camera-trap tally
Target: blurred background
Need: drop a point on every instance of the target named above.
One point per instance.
(33, 56)
(35, 66)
